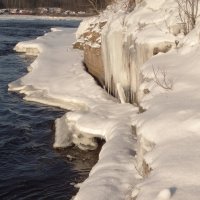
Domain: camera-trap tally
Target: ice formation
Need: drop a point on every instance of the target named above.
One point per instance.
(164, 195)
(57, 77)
(128, 40)
(147, 52)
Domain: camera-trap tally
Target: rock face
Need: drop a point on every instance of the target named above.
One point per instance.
(94, 63)
(116, 48)
(89, 40)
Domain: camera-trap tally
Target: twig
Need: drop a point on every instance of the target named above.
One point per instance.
(160, 78)
(188, 13)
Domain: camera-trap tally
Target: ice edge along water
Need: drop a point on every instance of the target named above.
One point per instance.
(57, 77)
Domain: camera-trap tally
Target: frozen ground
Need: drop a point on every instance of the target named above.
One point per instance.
(57, 77)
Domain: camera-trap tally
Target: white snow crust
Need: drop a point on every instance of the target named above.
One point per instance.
(57, 77)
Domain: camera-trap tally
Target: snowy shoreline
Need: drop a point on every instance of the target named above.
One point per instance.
(37, 17)
(60, 80)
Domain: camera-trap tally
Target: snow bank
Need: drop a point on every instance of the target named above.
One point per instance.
(35, 17)
(57, 77)
(171, 123)
(136, 49)
(146, 53)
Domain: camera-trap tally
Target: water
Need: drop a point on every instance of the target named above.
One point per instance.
(29, 167)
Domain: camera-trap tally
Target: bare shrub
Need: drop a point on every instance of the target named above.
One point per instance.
(94, 4)
(161, 79)
(188, 12)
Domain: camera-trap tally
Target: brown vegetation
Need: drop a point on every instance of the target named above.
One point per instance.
(188, 12)
(75, 5)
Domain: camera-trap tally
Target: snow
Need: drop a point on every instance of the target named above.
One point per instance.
(35, 17)
(134, 46)
(57, 77)
(164, 195)
(149, 61)
(94, 24)
(133, 38)
(172, 117)
(84, 26)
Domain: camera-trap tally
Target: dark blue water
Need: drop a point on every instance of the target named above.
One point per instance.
(29, 167)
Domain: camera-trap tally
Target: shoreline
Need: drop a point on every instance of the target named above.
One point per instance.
(58, 80)
(40, 17)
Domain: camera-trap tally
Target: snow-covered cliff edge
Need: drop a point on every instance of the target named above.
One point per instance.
(57, 77)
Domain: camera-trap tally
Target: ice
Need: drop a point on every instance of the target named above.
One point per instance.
(57, 77)
(121, 93)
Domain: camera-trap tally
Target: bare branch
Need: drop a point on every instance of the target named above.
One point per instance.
(188, 13)
(160, 78)
(94, 4)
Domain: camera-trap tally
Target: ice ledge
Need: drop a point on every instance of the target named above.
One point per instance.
(33, 50)
(58, 78)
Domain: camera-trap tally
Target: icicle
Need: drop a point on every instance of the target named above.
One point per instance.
(121, 93)
(122, 58)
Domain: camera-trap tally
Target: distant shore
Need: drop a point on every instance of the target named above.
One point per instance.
(43, 17)
(45, 12)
